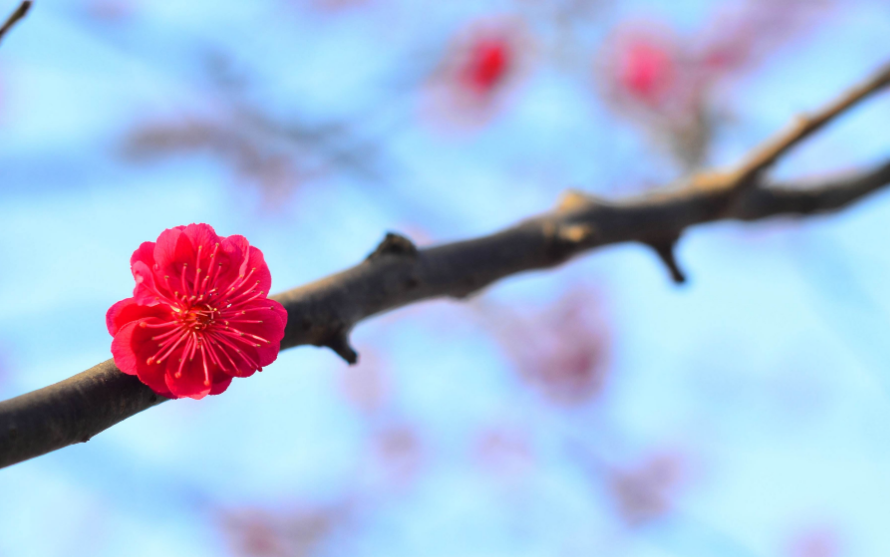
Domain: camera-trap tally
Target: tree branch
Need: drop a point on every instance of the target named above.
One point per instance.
(397, 273)
(14, 18)
(802, 127)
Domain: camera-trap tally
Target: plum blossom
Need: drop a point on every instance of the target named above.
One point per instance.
(562, 352)
(199, 314)
(490, 59)
(482, 64)
(646, 491)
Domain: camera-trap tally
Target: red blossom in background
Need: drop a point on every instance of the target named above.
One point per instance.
(111, 10)
(647, 69)
(646, 491)
(199, 314)
(744, 34)
(563, 351)
(647, 75)
(817, 541)
(397, 455)
(482, 62)
(671, 84)
(301, 531)
(489, 58)
(333, 5)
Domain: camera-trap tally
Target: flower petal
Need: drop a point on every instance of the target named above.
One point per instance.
(143, 267)
(191, 382)
(201, 235)
(131, 348)
(146, 291)
(220, 384)
(128, 310)
(173, 250)
(261, 276)
(231, 255)
(239, 357)
(145, 253)
(113, 317)
(274, 320)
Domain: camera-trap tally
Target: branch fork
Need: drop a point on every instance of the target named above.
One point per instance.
(397, 273)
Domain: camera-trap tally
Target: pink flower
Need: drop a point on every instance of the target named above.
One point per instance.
(646, 491)
(817, 541)
(563, 352)
(647, 71)
(398, 454)
(199, 314)
(477, 76)
(487, 65)
(644, 67)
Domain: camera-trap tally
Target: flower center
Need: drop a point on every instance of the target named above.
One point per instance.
(195, 318)
(200, 330)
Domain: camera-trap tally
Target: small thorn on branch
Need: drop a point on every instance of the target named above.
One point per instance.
(394, 244)
(15, 17)
(339, 343)
(665, 250)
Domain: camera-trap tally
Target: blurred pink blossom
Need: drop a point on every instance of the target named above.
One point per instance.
(331, 6)
(743, 34)
(818, 541)
(483, 61)
(645, 491)
(669, 84)
(111, 10)
(647, 68)
(503, 451)
(563, 350)
(397, 454)
(488, 62)
(297, 532)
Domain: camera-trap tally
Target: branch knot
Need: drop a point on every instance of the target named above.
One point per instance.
(574, 199)
(394, 244)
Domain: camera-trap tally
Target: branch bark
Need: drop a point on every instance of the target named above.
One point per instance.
(14, 18)
(804, 126)
(397, 273)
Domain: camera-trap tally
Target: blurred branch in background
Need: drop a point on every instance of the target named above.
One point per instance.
(14, 18)
(277, 153)
(674, 84)
(397, 273)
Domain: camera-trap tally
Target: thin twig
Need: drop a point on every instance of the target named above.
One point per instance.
(396, 274)
(14, 18)
(762, 157)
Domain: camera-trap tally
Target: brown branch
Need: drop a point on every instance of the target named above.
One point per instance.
(397, 273)
(14, 18)
(761, 158)
(664, 249)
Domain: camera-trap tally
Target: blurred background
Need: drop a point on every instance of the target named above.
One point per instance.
(596, 409)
